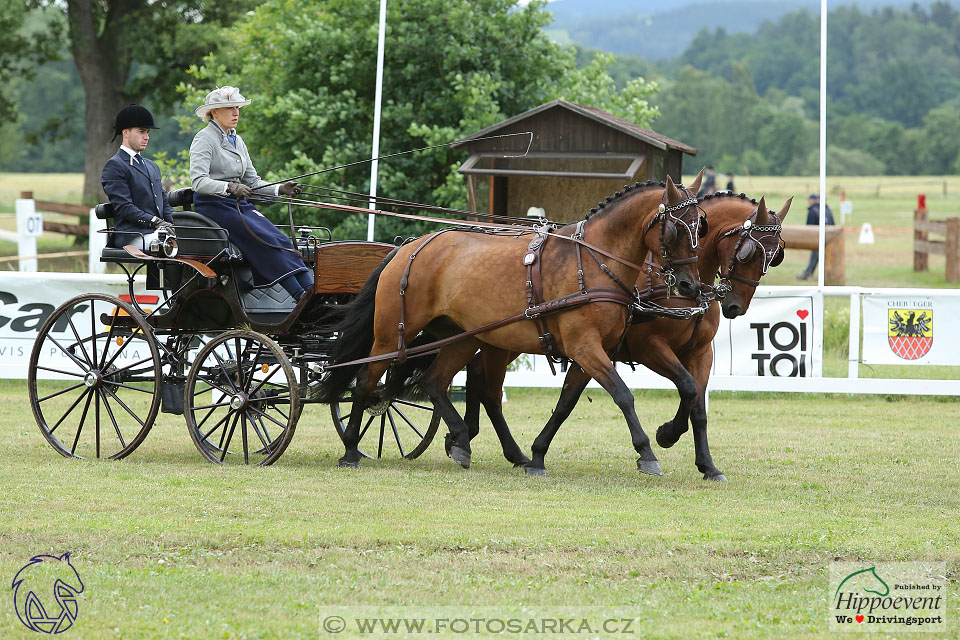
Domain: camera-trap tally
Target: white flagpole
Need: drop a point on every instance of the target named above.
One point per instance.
(821, 241)
(375, 153)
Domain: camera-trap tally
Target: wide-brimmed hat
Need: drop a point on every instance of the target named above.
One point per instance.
(221, 97)
(132, 115)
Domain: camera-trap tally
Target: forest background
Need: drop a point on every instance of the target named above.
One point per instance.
(737, 80)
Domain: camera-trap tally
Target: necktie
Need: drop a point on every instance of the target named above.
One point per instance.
(232, 137)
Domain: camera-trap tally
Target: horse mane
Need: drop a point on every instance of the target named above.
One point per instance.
(730, 194)
(627, 189)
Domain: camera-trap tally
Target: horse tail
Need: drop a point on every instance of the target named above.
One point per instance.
(355, 338)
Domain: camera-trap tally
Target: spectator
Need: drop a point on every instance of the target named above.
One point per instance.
(813, 218)
(730, 186)
(709, 185)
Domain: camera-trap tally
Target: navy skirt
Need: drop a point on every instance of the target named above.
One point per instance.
(268, 264)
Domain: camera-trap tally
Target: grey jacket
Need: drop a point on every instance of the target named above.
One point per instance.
(214, 162)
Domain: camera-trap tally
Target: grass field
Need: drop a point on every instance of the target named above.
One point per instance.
(171, 547)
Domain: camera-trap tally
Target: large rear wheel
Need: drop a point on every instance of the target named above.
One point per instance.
(94, 379)
(241, 400)
(404, 427)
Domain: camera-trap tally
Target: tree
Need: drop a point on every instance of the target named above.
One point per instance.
(452, 67)
(129, 50)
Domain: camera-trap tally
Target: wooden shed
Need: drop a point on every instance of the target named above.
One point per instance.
(578, 156)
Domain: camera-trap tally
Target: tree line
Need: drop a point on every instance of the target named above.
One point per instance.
(748, 102)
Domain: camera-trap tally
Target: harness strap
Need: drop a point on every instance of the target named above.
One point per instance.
(404, 280)
(570, 301)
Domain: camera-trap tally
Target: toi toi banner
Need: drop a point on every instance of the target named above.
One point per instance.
(900, 329)
(779, 335)
(28, 299)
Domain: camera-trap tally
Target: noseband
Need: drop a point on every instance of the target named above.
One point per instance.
(665, 216)
(745, 251)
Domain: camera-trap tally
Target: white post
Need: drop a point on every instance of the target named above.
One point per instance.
(821, 242)
(29, 226)
(97, 242)
(375, 153)
(853, 359)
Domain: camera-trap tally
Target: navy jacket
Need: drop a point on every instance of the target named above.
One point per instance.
(813, 214)
(136, 193)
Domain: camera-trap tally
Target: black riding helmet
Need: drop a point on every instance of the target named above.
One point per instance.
(132, 115)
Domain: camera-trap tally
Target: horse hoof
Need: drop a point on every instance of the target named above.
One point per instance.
(524, 461)
(650, 467)
(348, 464)
(665, 441)
(717, 477)
(535, 471)
(460, 456)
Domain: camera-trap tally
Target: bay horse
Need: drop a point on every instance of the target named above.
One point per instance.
(471, 289)
(744, 239)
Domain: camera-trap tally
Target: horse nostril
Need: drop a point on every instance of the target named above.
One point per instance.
(731, 311)
(685, 288)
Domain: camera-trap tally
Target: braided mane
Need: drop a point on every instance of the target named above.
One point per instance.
(627, 188)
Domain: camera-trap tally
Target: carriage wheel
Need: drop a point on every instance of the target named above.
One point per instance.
(404, 425)
(94, 378)
(241, 400)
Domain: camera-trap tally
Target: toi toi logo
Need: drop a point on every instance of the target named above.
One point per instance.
(781, 342)
(45, 594)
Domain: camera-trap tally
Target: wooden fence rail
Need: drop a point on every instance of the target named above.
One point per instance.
(923, 246)
(80, 229)
(808, 237)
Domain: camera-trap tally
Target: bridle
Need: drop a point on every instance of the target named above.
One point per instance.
(668, 232)
(746, 250)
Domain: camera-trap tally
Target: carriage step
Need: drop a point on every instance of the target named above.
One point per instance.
(117, 321)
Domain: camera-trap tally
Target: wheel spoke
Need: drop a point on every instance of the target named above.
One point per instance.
(89, 393)
(223, 450)
(407, 420)
(243, 435)
(75, 359)
(219, 422)
(125, 407)
(396, 436)
(213, 406)
(413, 404)
(127, 386)
(106, 346)
(253, 370)
(223, 368)
(264, 381)
(116, 427)
(61, 392)
(365, 427)
(77, 336)
(93, 331)
(263, 427)
(123, 346)
(270, 398)
(130, 366)
(69, 411)
(213, 385)
(66, 373)
(268, 417)
(383, 427)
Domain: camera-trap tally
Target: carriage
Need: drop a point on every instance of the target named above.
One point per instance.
(237, 361)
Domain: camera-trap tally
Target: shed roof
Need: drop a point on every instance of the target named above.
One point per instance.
(598, 115)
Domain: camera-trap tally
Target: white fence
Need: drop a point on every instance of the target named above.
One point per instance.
(776, 346)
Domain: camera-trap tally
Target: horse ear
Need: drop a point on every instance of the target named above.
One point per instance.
(762, 216)
(695, 185)
(782, 214)
(673, 194)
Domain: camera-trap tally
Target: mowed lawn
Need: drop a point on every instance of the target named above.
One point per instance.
(171, 547)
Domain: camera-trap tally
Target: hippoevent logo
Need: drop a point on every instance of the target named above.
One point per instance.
(895, 596)
(45, 594)
(910, 331)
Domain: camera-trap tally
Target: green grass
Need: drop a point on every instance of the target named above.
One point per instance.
(258, 553)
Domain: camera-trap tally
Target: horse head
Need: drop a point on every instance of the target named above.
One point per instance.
(680, 228)
(746, 249)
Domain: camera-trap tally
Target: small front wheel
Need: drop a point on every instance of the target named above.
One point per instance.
(241, 399)
(404, 426)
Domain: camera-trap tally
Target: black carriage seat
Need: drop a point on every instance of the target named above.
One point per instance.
(266, 304)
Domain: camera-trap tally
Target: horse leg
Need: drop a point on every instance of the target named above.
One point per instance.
(435, 381)
(573, 385)
(366, 381)
(594, 361)
(700, 365)
(474, 393)
(495, 362)
(660, 358)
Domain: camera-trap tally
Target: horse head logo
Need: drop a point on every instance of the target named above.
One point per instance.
(865, 580)
(32, 587)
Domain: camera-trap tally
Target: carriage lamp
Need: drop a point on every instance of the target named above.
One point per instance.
(165, 244)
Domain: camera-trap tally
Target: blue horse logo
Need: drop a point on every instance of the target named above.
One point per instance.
(33, 584)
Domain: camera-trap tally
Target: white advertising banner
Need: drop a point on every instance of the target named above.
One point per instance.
(900, 329)
(780, 335)
(28, 299)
